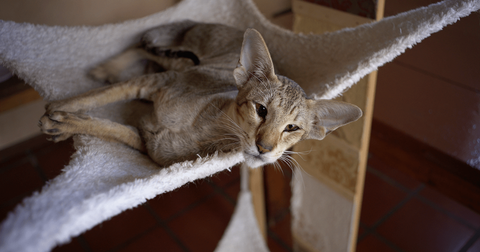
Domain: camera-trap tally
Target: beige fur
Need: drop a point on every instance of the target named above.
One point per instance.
(200, 107)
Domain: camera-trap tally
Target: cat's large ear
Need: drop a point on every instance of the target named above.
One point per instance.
(255, 60)
(328, 115)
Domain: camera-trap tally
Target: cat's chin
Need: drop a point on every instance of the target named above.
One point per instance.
(253, 161)
(256, 161)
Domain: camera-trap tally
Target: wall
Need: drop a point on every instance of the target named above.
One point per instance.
(432, 92)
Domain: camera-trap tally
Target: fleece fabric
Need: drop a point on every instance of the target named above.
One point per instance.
(104, 179)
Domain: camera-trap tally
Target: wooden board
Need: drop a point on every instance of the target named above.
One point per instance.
(258, 197)
(339, 161)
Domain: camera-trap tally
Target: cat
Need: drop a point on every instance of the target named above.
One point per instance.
(217, 91)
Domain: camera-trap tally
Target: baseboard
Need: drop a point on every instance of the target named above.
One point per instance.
(431, 166)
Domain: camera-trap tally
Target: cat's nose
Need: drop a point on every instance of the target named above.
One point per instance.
(263, 148)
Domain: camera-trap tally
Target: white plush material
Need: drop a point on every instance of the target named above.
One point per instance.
(104, 179)
(242, 233)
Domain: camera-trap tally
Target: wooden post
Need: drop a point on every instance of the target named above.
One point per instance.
(338, 162)
(258, 197)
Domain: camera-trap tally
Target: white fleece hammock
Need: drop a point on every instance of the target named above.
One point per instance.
(104, 179)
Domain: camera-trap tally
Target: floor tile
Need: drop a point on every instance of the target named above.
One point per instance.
(168, 204)
(156, 240)
(361, 231)
(55, 158)
(119, 229)
(72, 246)
(379, 197)
(233, 190)
(282, 229)
(398, 176)
(277, 191)
(418, 227)
(18, 181)
(226, 177)
(274, 246)
(371, 244)
(201, 228)
(451, 206)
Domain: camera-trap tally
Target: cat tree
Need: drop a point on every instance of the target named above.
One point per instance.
(103, 179)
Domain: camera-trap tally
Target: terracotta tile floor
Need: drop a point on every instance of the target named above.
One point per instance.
(398, 212)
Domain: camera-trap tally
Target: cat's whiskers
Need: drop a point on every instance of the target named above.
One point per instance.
(219, 145)
(277, 166)
(233, 126)
(299, 153)
(294, 166)
(234, 129)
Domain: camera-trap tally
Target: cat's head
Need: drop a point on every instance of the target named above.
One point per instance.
(274, 111)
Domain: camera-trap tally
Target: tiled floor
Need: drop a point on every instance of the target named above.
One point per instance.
(401, 214)
(398, 213)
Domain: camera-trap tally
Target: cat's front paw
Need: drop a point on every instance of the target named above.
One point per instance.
(59, 125)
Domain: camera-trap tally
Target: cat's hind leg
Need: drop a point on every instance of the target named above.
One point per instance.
(122, 67)
(143, 87)
(62, 125)
(136, 61)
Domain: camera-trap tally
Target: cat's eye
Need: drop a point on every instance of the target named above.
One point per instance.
(261, 110)
(291, 127)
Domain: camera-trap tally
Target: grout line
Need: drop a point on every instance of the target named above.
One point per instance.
(163, 224)
(388, 179)
(410, 194)
(279, 216)
(373, 228)
(471, 241)
(387, 242)
(415, 194)
(457, 84)
(367, 231)
(190, 207)
(419, 197)
(229, 183)
(277, 239)
(370, 231)
(446, 212)
(133, 239)
(398, 206)
(220, 191)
